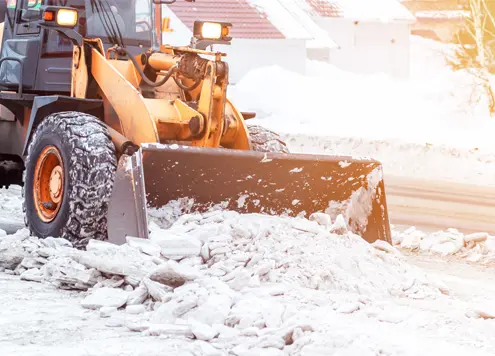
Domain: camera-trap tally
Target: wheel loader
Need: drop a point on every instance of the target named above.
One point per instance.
(100, 122)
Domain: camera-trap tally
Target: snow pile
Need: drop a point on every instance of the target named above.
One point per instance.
(434, 105)
(11, 205)
(475, 247)
(228, 281)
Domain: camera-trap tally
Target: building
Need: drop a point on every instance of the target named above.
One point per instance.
(264, 32)
(372, 36)
(438, 20)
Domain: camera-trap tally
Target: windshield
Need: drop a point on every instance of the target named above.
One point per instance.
(132, 18)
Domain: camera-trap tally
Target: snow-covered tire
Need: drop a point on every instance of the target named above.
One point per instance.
(89, 163)
(264, 140)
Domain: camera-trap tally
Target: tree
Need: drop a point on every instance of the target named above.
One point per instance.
(476, 49)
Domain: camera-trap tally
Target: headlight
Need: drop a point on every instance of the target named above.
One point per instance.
(60, 16)
(213, 31)
(66, 17)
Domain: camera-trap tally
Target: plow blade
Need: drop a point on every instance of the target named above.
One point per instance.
(248, 182)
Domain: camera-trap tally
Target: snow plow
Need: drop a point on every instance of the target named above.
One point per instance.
(125, 124)
(248, 182)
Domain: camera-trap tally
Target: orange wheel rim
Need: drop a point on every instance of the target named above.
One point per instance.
(48, 183)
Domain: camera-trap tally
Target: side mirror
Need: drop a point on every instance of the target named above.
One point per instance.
(31, 14)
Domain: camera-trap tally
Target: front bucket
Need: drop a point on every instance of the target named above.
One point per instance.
(248, 182)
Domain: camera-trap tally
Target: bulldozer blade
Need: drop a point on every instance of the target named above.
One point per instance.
(248, 182)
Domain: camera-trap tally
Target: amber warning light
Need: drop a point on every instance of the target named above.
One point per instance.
(60, 16)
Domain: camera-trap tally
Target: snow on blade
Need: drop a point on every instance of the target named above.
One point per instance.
(359, 205)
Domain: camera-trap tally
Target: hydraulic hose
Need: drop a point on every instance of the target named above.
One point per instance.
(143, 75)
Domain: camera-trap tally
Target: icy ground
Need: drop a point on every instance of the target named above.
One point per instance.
(222, 283)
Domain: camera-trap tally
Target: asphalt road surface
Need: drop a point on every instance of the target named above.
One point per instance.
(435, 205)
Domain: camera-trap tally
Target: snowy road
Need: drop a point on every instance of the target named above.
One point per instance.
(435, 205)
(41, 320)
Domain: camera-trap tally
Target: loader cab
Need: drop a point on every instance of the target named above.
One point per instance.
(134, 19)
(45, 55)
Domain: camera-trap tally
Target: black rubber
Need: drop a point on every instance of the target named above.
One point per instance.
(90, 163)
(264, 140)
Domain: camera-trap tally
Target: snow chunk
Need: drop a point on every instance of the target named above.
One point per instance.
(170, 330)
(145, 246)
(105, 297)
(33, 274)
(476, 237)
(138, 295)
(203, 332)
(106, 312)
(321, 218)
(11, 258)
(135, 309)
(340, 225)
(159, 292)
(176, 245)
(173, 274)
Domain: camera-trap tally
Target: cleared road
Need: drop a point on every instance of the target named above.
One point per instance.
(434, 205)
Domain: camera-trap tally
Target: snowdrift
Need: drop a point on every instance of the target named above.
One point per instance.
(435, 105)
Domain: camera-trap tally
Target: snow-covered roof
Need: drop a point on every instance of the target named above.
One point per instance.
(251, 19)
(442, 15)
(288, 16)
(362, 10)
(247, 21)
(324, 8)
(420, 5)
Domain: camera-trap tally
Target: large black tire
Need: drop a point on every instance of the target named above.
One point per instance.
(264, 140)
(89, 161)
